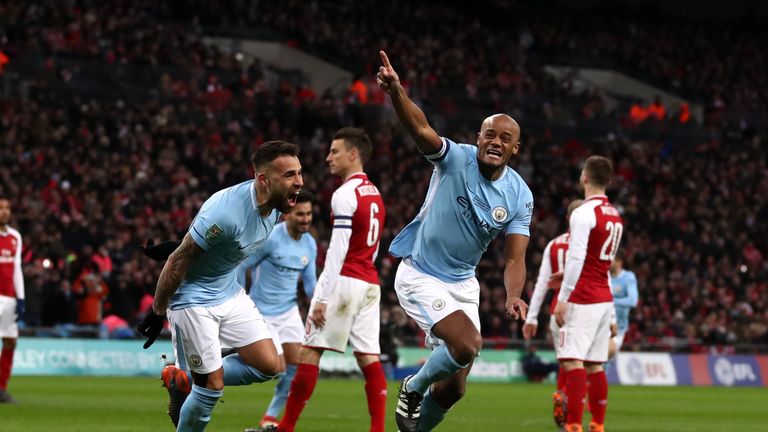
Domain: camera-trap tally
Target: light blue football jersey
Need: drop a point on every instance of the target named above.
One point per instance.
(228, 228)
(624, 289)
(462, 213)
(275, 270)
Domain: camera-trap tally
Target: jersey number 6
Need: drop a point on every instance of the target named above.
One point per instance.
(373, 226)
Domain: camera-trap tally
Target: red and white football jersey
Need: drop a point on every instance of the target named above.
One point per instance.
(357, 215)
(11, 280)
(552, 261)
(596, 230)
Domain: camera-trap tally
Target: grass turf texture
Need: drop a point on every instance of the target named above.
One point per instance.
(67, 404)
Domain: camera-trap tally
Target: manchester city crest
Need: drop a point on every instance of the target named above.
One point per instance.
(499, 214)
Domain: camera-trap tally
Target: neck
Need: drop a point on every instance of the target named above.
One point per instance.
(590, 191)
(491, 172)
(293, 232)
(351, 171)
(615, 272)
(261, 200)
(3, 227)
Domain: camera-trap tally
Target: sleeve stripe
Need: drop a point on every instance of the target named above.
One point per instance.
(196, 232)
(342, 217)
(440, 155)
(342, 227)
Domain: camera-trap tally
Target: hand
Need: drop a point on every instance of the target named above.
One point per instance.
(151, 327)
(614, 330)
(517, 308)
(20, 307)
(529, 331)
(161, 251)
(387, 78)
(318, 314)
(560, 310)
(555, 280)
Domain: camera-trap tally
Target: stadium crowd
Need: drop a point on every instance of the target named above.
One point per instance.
(91, 178)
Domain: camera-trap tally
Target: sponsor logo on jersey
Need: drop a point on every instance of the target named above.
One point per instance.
(499, 214)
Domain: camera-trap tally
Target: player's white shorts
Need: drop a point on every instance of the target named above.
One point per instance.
(554, 330)
(286, 327)
(428, 300)
(586, 332)
(351, 316)
(618, 340)
(8, 326)
(198, 332)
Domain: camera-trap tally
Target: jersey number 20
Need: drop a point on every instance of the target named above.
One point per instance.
(373, 226)
(608, 251)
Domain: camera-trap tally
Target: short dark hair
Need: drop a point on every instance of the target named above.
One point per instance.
(599, 169)
(620, 256)
(358, 139)
(305, 196)
(271, 150)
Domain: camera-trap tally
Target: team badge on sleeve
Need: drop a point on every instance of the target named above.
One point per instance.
(499, 214)
(213, 232)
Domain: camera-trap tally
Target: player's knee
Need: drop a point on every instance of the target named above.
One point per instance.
(215, 382)
(273, 368)
(466, 349)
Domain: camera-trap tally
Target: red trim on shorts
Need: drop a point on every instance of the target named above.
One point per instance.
(571, 359)
(322, 348)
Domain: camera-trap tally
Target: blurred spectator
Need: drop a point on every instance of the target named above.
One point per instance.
(91, 291)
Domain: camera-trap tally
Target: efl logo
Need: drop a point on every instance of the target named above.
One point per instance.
(729, 373)
(645, 369)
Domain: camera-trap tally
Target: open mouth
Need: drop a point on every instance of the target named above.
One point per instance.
(494, 154)
(292, 198)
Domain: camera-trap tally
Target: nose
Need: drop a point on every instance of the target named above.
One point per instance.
(328, 158)
(299, 181)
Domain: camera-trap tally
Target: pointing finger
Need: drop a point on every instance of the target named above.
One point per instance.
(385, 59)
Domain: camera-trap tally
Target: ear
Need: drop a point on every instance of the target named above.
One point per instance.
(516, 148)
(261, 178)
(477, 141)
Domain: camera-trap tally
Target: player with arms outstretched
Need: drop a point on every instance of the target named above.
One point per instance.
(11, 295)
(473, 196)
(345, 307)
(198, 288)
(584, 308)
(552, 261)
(273, 272)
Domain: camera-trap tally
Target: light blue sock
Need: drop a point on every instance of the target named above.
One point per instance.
(196, 411)
(237, 372)
(281, 392)
(431, 413)
(439, 365)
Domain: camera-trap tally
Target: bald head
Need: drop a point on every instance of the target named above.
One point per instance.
(501, 122)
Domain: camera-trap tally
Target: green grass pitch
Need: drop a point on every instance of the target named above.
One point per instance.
(68, 404)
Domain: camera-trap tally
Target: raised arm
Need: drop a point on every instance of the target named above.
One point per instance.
(410, 115)
(173, 272)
